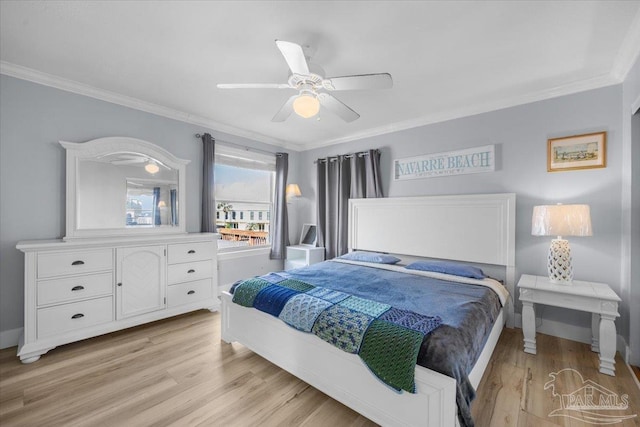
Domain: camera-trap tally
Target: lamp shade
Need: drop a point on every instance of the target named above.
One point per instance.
(561, 220)
(306, 105)
(293, 190)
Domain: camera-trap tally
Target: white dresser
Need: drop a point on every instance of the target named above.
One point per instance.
(82, 288)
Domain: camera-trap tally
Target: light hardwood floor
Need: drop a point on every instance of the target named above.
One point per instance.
(178, 372)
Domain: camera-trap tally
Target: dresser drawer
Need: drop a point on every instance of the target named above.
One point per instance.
(76, 315)
(74, 288)
(185, 293)
(78, 262)
(186, 252)
(190, 271)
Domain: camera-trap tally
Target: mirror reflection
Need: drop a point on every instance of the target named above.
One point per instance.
(126, 189)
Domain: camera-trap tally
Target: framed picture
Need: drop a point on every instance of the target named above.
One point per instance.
(309, 235)
(577, 152)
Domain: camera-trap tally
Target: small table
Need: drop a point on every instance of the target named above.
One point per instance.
(302, 256)
(596, 298)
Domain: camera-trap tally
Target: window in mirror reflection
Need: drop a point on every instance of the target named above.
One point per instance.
(151, 204)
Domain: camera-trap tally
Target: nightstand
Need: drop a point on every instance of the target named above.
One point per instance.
(301, 256)
(595, 298)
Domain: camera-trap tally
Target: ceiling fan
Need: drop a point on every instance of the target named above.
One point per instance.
(312, 87)
(151, 165)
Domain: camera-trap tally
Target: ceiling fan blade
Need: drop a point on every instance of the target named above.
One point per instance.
(253, 86)
(337, 107)
(285, 110)
(357, 82)
(294, 56)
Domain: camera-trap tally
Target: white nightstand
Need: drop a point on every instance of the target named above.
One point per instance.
(301, 256)
(596, 298)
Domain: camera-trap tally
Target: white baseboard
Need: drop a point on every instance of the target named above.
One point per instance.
(573, 333)
(10, 338)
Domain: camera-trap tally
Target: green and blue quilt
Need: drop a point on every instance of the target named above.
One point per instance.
(386, 338)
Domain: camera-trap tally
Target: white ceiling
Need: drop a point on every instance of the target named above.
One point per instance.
(447, 59)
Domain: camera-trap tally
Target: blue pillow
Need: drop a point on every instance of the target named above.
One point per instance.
(447, 267)
(370, 257)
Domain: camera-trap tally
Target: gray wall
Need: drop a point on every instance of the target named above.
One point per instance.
(520, 135)
(631, 206)
(32, 166)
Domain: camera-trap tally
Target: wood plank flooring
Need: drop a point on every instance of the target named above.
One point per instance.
(177, 372)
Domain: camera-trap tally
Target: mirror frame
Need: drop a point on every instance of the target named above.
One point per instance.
(77, 151)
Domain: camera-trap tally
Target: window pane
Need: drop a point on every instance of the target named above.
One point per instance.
(239, 191)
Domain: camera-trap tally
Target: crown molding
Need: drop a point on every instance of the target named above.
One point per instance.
(571, 88)
(35, 76)
(72, 86)
(628, 52)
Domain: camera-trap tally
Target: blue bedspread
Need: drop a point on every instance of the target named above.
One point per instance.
(386, 338)
(467, 312)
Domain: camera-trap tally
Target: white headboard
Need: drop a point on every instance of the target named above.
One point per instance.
(478, 228)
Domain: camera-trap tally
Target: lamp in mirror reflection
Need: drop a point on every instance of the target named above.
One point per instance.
(561, 220)
(152, 167)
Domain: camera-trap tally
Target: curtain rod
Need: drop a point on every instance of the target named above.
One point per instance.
(244, 147)
(346, 156)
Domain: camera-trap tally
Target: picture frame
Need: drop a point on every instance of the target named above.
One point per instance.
(309, 235)
(576, 152)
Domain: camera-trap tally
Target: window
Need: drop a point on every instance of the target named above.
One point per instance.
(244, 182)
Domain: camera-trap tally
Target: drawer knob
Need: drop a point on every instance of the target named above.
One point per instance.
(191, 271)
(191, 251)
(119, 284)
(191, 292)
(77, 288)
(77, 262)
(77, 316)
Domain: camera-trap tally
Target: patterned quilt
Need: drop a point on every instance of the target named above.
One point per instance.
(387, 339)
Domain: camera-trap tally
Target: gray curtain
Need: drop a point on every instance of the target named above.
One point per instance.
(174, 207)
(339, 179)
(280, 224)
(366, 181)
(156, 207)
(208, 223)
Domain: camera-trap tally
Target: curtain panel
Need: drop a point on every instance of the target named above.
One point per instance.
(208, 222)
(280, 223)
(342, 178)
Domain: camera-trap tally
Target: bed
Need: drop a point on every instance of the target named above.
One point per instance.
(477, 229)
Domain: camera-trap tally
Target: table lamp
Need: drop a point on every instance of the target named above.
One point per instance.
(560, 220)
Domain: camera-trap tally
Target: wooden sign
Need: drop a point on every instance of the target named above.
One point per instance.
(459, 162)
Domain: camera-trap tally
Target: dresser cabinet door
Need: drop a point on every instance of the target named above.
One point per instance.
(141, 280)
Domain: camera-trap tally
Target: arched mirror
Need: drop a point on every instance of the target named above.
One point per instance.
(123, 186)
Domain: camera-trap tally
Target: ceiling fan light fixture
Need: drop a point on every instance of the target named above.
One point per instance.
(152, 167)
(306, 105)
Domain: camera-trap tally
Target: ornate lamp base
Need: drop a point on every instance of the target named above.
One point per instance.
(559, 262)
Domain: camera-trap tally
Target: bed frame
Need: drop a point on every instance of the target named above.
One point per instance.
(477, 229)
